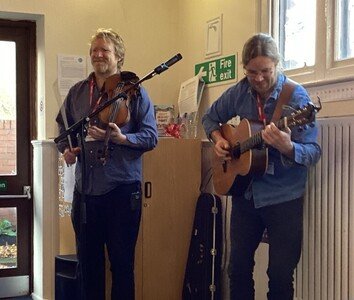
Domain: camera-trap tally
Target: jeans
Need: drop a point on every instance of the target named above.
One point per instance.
(113, 220)
(284, 227)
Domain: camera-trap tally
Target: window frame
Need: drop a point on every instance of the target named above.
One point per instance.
(325, 69)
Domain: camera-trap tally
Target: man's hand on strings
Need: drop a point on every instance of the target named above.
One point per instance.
(116, 135)
(96, 133)
(221, 149)
(221, 146)
(278, 139)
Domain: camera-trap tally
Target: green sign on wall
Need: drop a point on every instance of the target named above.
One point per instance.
(217, 70)
(3, 185)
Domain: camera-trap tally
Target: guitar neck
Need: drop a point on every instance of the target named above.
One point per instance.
(251, 143)
(256, 140)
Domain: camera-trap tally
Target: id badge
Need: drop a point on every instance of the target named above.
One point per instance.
(270, 168)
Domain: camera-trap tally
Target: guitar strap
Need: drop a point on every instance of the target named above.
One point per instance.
(284, 98)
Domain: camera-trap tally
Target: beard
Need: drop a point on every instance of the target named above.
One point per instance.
(104, 68)
(261, 88)
(100, 67)
(265, 87)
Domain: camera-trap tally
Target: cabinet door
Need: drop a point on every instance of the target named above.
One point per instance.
(173, 169)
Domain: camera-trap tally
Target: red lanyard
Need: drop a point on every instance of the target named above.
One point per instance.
(92, 104)
(261, 115)
(92, 85)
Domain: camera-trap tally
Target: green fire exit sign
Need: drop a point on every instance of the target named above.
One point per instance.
(217, 70)
(3, 185)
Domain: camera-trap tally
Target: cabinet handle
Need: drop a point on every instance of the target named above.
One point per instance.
(148, 189)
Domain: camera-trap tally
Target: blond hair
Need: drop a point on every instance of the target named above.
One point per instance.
(115, 38)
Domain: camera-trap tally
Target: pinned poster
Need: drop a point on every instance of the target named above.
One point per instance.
(190, 95)
(71, 69)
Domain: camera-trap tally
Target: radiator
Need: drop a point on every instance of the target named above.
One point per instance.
(326, 268)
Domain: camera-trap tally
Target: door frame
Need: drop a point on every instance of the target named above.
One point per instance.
(24, 206)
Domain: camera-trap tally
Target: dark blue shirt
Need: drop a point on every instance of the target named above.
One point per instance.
(124, 164)
(285, 179)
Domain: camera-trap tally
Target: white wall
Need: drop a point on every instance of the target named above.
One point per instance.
(239, 23)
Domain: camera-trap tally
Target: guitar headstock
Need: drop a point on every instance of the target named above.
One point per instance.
(303, 115)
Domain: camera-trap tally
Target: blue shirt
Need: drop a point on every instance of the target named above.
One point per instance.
(285, 179)
(124, 164)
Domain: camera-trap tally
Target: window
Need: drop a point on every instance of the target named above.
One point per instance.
(315, 37)
(298, 20)
(345, 24)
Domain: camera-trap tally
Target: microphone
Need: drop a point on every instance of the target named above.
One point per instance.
(164, 66)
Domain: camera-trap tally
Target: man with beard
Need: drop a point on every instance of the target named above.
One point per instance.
(273, 201)
(110, 191)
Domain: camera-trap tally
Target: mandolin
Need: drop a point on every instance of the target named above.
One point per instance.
(249, 155)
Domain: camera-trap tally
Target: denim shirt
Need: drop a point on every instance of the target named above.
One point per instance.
(124, 164)
(285, 179)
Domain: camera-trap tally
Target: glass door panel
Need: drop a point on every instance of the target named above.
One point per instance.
(8, 238)
(8, 108)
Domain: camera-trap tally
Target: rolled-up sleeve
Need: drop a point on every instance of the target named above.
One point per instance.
(307, 151)
(145, 137)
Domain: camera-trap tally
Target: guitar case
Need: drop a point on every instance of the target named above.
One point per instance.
(203, 271)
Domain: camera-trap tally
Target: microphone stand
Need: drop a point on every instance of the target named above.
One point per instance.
(79, 129)
(82, 247)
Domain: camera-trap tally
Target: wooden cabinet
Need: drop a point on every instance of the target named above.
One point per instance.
(173, 172)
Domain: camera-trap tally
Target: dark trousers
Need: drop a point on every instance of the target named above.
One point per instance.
(113, 220)
(284, 227)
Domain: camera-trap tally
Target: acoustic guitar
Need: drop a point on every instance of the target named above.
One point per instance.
(249, 155)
